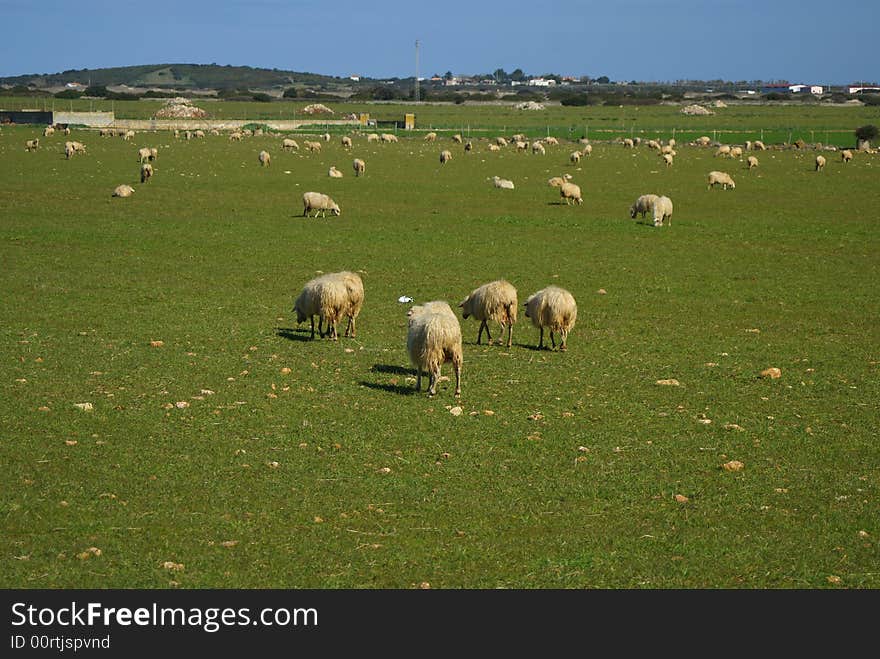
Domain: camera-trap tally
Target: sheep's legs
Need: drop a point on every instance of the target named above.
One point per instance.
(541, 340)
(312, 319)
(552, 341)
(484, 325)
(418, 378)
(432, 382)
(564, 335)
(456, 364)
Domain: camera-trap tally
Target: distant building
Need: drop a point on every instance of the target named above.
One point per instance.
(354, 78)
(813, 89)
(542, 82)
(859, 90)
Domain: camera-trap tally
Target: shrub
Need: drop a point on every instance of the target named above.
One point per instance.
(290, 92)
(68, 93)
(262, 98)
(870, 99)
(866, 133)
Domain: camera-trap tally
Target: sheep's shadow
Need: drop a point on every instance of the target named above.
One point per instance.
(294, 334)
(393, 369)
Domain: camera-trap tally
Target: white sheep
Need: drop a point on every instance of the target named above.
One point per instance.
(468, 146)
(557, 181)
(495, 301)
(32, 145)
(334, 173)
(493, 147)
(234, 136)
(388, 138)
(359, 167)
(288, 143)
(667, 158)
(662, 211)
(457, 138)
(521, 146)
(326, 297)
(326, 137)
(433, 338)
(500, 141)
(503, 183)
(199, 133)
(146, 172)
(570, 192)
(671, 142)
(551, 141)
(758, 145)
(736, 152)
(313, 146)
(445, 156)
(127, 135)
(820, 163)
(537, 147)
(430, 137)
(123, 191)
(264, 158)
(667, 148)
(751, 162)
(723, 150)
(846, 155)
(554, 308)
(354, 287)
(373, 137)
(346, 142)
(628, 143)
(653, 144)
(320, 203)
(587, 150)
(722, 178)
(48, 131)
(703, 140)
(575, 157)
(644, 204)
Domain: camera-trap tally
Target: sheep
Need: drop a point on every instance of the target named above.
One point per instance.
(570, 191)
(662, 211)
(320, 203)
(288, 144)
(758, 145)
(333, 172)
(127, 135)
(587, 150)
(820, 163)
(326, 297)
(69, 150)
(326, 137)
(575, 157)
(468, 146)
(502, 183)
(493, 147)
(500, 141)
(388, 138)
(313, 146)
(653, 144)
(667, 158)
(723, 150)
(123, 191)
(144, 154)
(146, 172)
(354, 287)
(749, 145)
(430, 137)
(628, 143)
(846, 155)
(666, 149)
(551, 141)
(346, 142)
(555, 308)
(637, 141)
(32, 145)
(537, 147)
(264, 158)
(445, 156)
(751, 162)
(644, 204)
(235, 136)
(154, 153)
(557, 181)
(48, 131)
(373, 137)
(704, 140)
(359, 167)
(671, 143)
(495, 301)
(457, 138)
(521, 146)
(199, 133)
(736, 152)
(433, 338)
(721, 177)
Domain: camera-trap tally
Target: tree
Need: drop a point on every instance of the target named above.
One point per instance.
(603, 80)
(290, 93)
(864, 135)
(517, 75)
(448, 75)
(500, 76)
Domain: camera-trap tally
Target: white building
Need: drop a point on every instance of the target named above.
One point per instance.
(542, 82)
(813, 89)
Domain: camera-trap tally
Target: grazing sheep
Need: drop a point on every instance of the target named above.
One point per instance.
(667, 158)
(495, 301)
(749, 145)
(557, 181)
(587, 150)
(653, 144)
(662, 211)
(551, 141)
(199, 133)
(354, 288)
(445, 156)
(644, 204)
(751, 162)
(521, 146)
(722, 178)
(457, 138)
(820, 163)
(127, 135)
(320, 203)
(554, 308)
(123, 191)
(373, 137)
(388, 138)
(500, 141)
(334, 173)
(32, 145)
(736, 152)
(430, 137)
(433, 338)
(575, 157)
(468, 146)
(758, 145)
(146, 172)
(313, 146)
(326, 137)
(666, 148)
(671, 143)
(346, 142)
(570, 192)
(235, 136)
(359, 167)
(628, 143)
(723, 150)
(637, 141)
(493, 147)
(502, 183)
(265, 159)
(288, 143)
(846, 155)
(326, 297)
(537, 147)
(48, 131)
(69, 150)
(704, 140)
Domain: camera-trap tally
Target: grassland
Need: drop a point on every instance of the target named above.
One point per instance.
(561, 470)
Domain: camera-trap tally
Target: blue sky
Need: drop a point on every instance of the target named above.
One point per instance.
(645, 40)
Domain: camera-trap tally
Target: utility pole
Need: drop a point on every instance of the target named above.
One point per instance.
(417, 72)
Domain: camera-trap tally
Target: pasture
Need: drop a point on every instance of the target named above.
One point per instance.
(225, 449)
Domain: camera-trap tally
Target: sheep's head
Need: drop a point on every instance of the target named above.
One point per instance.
(334, 208)
(465, 307)
(632, 211)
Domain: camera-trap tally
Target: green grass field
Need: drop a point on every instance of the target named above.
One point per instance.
(561, 471)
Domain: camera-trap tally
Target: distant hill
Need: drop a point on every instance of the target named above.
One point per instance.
(182, 76)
